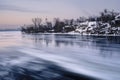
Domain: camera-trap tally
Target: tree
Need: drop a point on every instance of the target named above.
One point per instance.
(81, 19)
(107, 16)
(59, 25)
(92, 18)
(37, 21)
(37, 24)
(67, 22)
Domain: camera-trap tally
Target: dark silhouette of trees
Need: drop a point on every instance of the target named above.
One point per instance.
(67, 25)
(48, 26)
(81, 19)
(107, 16)
(59, 25)
(92, 18)
(37, 25)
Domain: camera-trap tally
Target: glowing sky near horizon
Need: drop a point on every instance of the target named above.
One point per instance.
(18, 12)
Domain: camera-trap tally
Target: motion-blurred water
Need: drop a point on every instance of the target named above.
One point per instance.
(58, 57)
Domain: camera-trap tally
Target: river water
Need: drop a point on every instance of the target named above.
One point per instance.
(58, 57)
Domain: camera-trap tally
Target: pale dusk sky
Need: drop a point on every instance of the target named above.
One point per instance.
(19, 12)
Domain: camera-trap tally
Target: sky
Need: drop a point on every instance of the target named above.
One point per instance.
(19, 12)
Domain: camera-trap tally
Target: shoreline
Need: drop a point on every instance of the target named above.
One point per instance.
(78, 34)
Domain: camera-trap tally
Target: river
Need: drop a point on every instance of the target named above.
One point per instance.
(58, 57)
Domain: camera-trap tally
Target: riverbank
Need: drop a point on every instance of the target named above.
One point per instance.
(72, 33)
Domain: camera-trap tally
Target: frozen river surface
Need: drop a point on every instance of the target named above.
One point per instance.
(58, 57)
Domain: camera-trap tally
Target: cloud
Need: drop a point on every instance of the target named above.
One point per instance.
(18, 9)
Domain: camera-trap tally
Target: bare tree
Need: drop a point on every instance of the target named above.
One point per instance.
(37, 22)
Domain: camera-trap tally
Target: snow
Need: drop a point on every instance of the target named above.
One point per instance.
(117, 17)
(92, 24)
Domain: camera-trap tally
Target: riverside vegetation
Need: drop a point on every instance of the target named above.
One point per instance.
(107, 23)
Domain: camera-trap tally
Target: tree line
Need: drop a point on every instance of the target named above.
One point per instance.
(68, 25)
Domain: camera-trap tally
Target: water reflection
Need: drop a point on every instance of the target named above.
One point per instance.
(58, 57)
(96, 56)
(105, 46)
(9, 39)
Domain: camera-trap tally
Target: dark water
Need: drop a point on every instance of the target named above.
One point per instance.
(58, 57)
